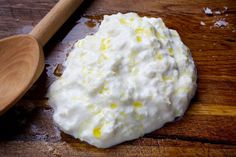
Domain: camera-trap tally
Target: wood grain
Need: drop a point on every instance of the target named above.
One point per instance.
(207, 129)
(141, 147)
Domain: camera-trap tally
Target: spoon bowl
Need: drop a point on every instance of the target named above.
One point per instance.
(22, 58)
(21, 63)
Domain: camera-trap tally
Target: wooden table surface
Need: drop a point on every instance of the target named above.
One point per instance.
(207, 129)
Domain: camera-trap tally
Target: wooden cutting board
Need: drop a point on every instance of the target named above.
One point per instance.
(207, 129)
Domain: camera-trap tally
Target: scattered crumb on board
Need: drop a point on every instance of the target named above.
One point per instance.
(217, 12)
(221, 23)
(202, 23)
(207, 11)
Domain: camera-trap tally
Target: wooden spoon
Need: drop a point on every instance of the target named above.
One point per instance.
(21, 56)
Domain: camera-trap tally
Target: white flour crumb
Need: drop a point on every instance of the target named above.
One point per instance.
(202, 23)
(217, 12)
(207, 11)
(221, 23)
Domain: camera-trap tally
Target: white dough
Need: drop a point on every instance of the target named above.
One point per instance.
(128, 79)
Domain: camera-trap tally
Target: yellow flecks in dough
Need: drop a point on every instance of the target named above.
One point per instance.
(171, 51)
(150, 32)
(94, 109)
(132, 19)
(132, 57)
(138, 116)
(174, 34)
(137, 104)
(97, 132)
(123, 114)
(139, 30)
(146, 32)
(99, 112)
(133, 54)
(139, 39)
(181, 90)
(140, 19)
(186, 73)
(75, 98)
(123, 21)
(158, 56)
(91, 108)
(167, 78)
(132, 67)
(113, 106)
(102, 58)
(105, 42)
(79, 43)
(160, 36)
(134, 70)
(86, 71)
(103, 89)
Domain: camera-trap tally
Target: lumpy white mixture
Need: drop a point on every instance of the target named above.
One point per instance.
(128, 79)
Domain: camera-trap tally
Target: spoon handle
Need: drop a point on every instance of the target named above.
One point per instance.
(48, 26)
